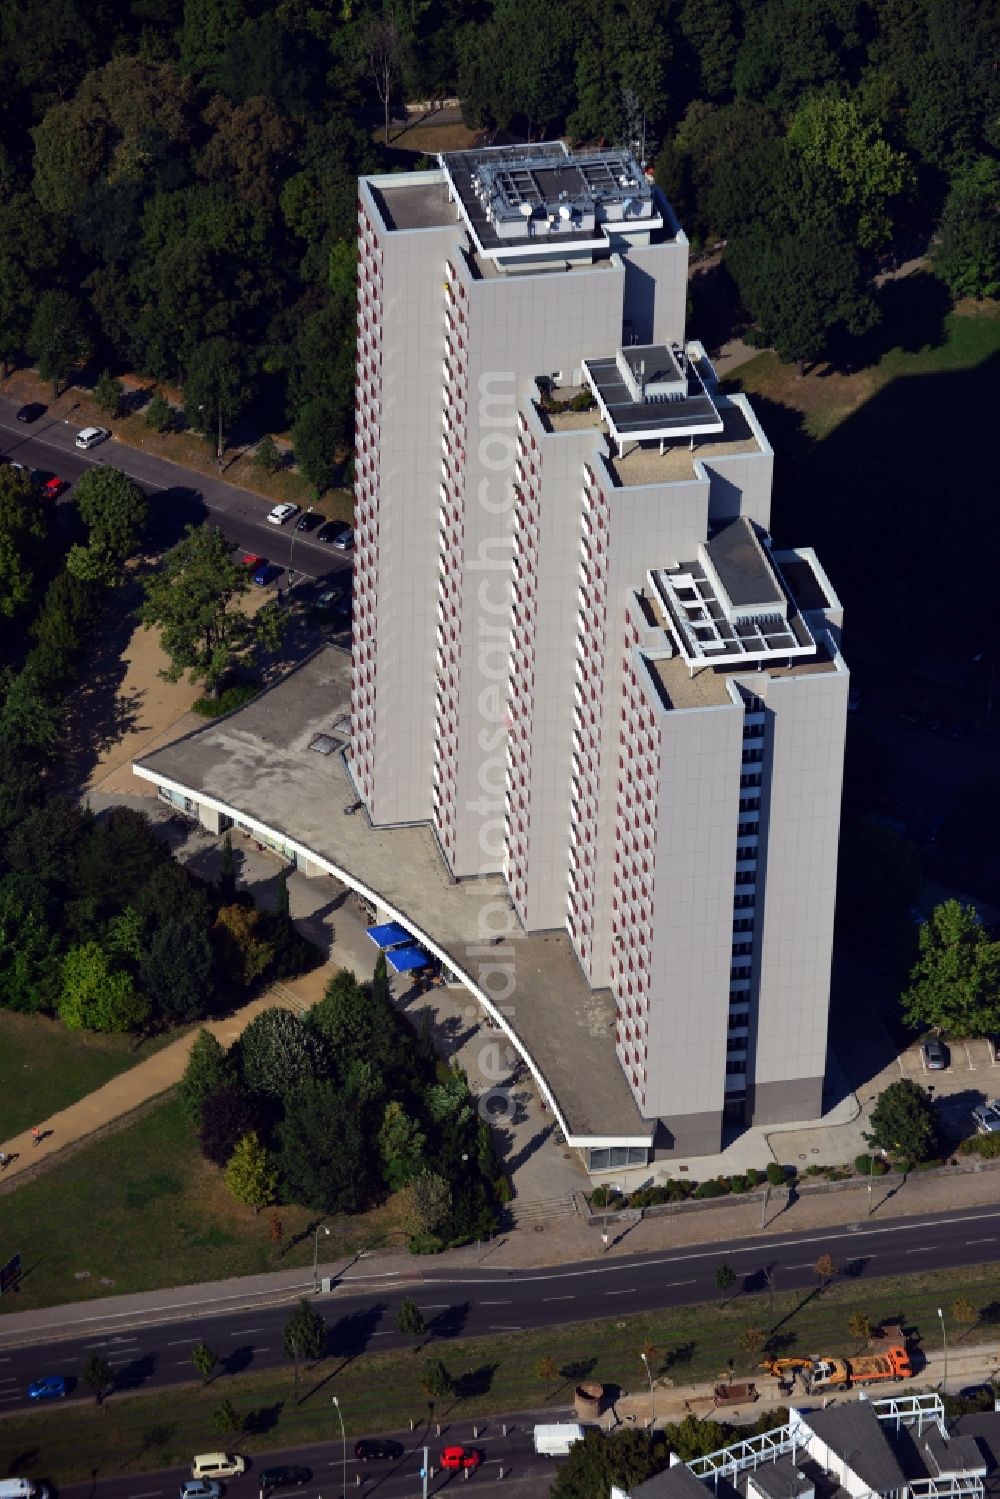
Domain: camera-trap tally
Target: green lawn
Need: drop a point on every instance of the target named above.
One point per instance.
(44, 1067)
(905, 346)
(492, 1375)
(139, 1209)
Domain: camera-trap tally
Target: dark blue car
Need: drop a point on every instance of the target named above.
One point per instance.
(266, 573)
(49, 1388)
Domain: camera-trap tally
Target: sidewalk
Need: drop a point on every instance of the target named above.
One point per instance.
(123, 1095)
(562, 1241)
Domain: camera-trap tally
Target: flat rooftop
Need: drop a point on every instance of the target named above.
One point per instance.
(414, 205)
(690, 412)
(643, 463)
(259, 763)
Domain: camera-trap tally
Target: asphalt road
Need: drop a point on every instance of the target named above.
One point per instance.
(361, 1312)
(178, 495)
(523, 1472)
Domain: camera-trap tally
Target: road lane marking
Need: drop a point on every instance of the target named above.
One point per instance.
(980, 1241)
(177, 1342)
(558, 1298)
(923, 1249)
(386, 1334)
(245, 1332)
(494, 1303)
(628, 1291)
(152, 1494)
(504, 1329)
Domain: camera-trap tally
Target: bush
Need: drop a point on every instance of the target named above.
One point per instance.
(715, 1188)
(988, 1146)
(425, 1244)
(815, 1170)
(776, 1174)
(754, 1178)
(868, 1165)
(739, 1183)
(603, 1197)
(227, 701)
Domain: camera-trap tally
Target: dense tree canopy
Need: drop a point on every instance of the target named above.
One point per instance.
(172, 175)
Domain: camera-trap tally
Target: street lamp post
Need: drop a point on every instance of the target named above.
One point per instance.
(944, 1341)
(291, 550)
(321, 1228)
(652, 1392)
(343, 1445)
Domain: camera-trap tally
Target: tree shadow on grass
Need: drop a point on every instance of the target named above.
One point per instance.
(679, 1357)
(264, 1419)
(476, 1381)
(157, 1435)
(24, 1460)
(912, 317)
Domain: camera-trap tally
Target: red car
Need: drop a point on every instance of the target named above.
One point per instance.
(461, 1457)
(251, 560)
(53, 488)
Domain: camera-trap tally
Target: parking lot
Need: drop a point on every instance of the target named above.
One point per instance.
(971, 1077)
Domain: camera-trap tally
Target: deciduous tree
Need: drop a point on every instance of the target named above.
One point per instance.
(108, 393)
(967, 253)
(193, 598)
(59, 339)
(97, 998)
(205, 1360)
(902, 1121)
(410, 1321)
(304, 1335)
(250, 1175)
(955, 983)
(227, 1114)
(97, 1375)
(23, 535)
(279, 1052)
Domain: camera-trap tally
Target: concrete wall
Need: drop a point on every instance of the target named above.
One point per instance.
(518, 328)
(803, 771)
(698, 800)
(562, 456)
(649, 526)
(409, 442)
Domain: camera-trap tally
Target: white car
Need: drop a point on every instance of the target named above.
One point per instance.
(91, 436)
(281, 513)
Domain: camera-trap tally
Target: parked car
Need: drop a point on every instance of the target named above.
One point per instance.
(935, 1055)
(52, 1387)
(461, 1458)
(345, 540)
(266, 573)
(330, 530)
(279, 514)
(252, 559)
(282, 1478)
(307, 520)
(31, 411)
(854, 700)
(49, 486)
(200, 1488)
(377, 1449)
(987, 1119)
(91, 436)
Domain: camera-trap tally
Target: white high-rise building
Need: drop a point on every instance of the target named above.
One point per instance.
(577, 654)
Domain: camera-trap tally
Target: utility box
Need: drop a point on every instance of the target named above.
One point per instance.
(327, 1284)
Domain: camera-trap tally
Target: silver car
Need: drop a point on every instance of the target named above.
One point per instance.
(935, 1055)
(987, 1119)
